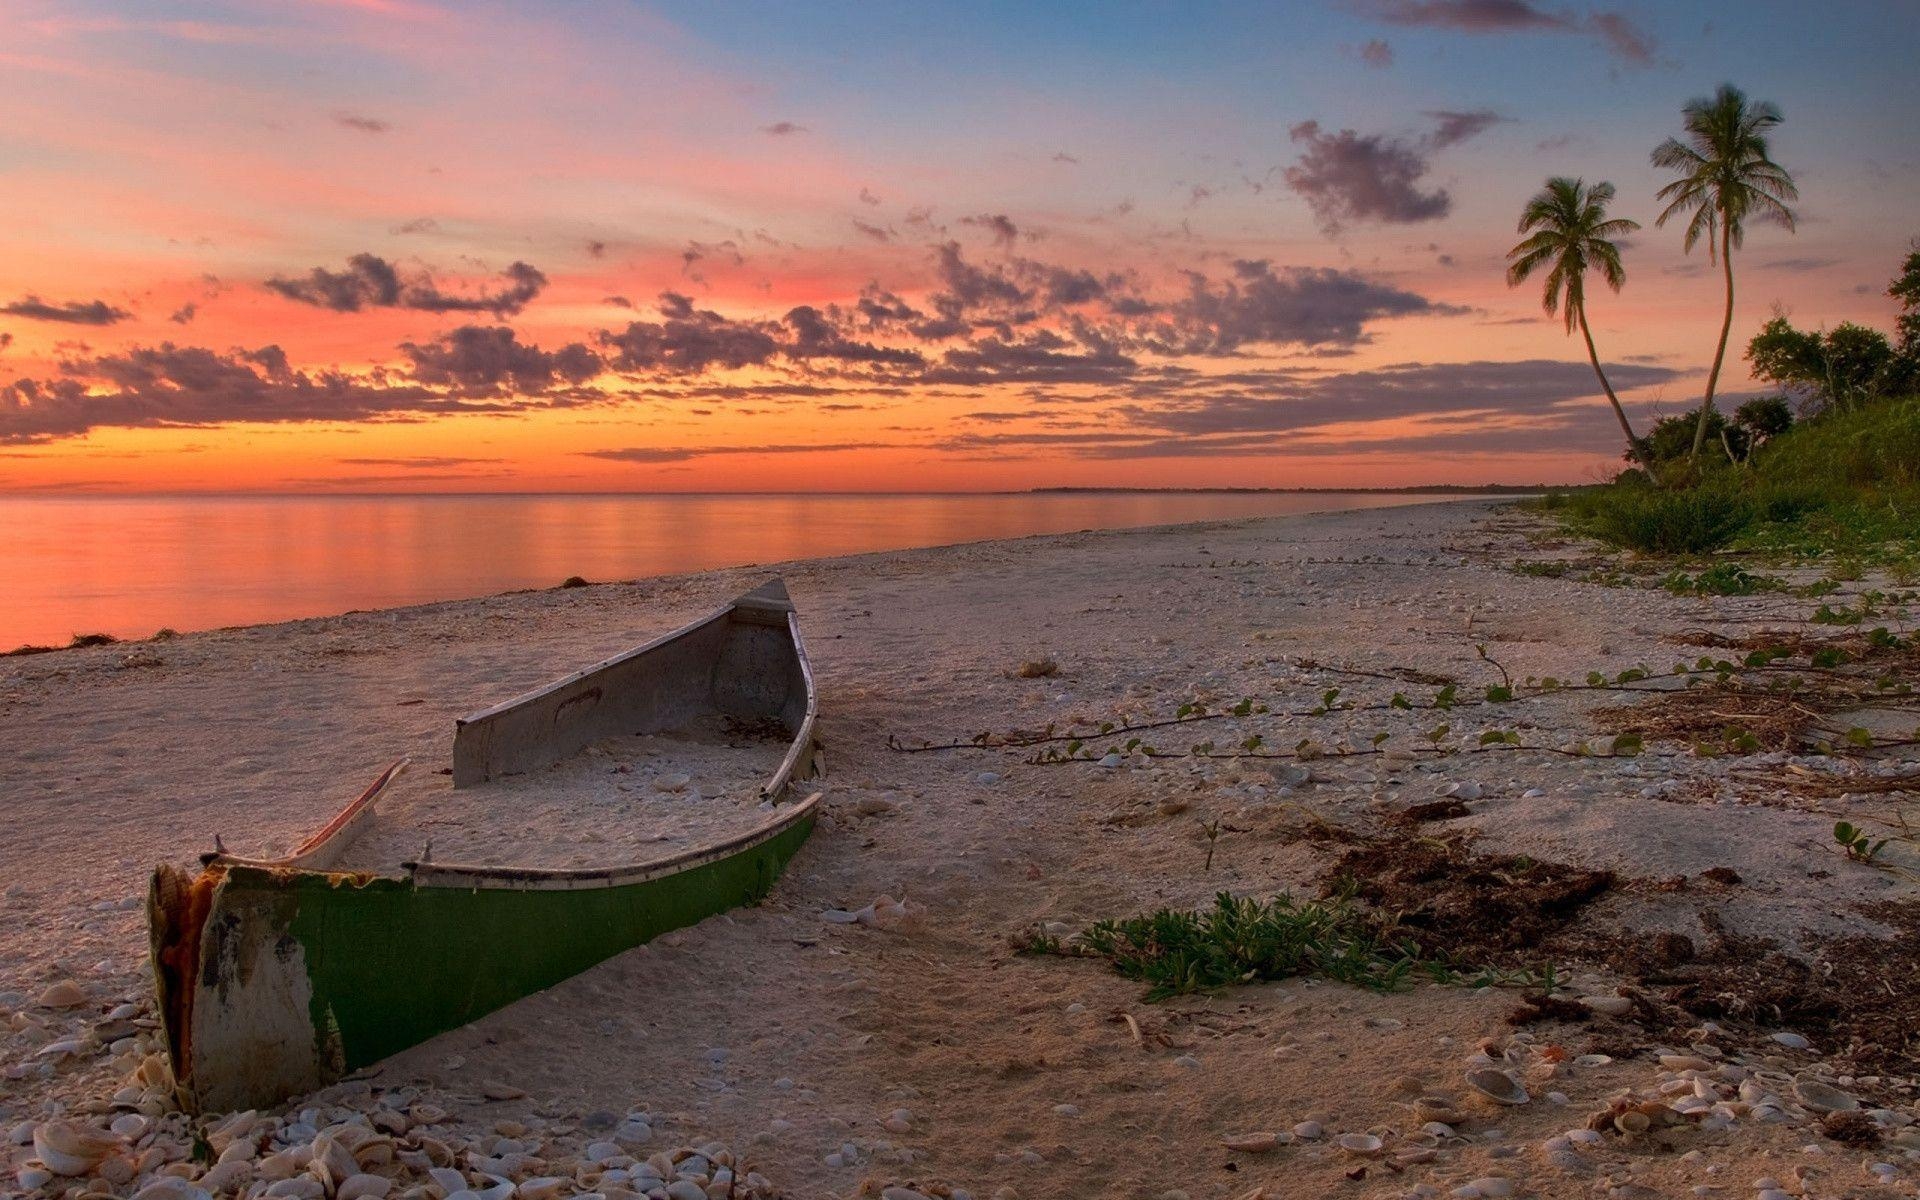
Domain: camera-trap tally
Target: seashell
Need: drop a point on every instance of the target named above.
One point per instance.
(60, 1049)
(1659, 1114)
(350, 1134)
(63, 994)
(1608, 1006)
(276, 1167)
(427, 1114)
(1435, 1108)
(1632, 1121)
(336, 1158)
(374, 1152)
(1363, 1145)
(544, 1187)
(1684, 1062)
(1823, 1098)
(1593, 1060)
(154, 1072)
(363, 1187)
(494, 1089)
(1497, 1086)
(1252, 1143)
(171, 1187)
(69, 1149)
(129, 1126)
(228, 1176)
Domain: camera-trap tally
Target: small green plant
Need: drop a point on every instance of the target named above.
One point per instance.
(1859, 846)
(1243, 940)
(1212, 830)
(1720, 579)
(1036, 941)
(1542, 568)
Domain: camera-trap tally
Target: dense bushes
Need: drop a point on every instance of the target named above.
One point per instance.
(1847, 478)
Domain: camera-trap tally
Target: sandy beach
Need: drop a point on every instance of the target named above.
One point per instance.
(842, 1060)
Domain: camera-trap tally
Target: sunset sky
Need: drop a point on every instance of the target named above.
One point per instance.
(374, 245)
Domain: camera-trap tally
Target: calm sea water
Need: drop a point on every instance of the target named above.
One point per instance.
(131, 565)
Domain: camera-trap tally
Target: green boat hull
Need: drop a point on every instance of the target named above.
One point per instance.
(384, 964)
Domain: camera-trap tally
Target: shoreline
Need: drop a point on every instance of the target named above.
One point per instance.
(794, 1038)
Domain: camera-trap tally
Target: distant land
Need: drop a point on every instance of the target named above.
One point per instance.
(1425, 489)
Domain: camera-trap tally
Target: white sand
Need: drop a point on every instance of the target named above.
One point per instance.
(117, 757)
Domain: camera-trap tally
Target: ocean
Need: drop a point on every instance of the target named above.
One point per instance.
(131, 565)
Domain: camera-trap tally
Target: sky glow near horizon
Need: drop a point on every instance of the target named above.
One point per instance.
(394, 245)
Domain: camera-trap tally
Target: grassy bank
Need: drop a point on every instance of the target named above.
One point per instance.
(1847, 483)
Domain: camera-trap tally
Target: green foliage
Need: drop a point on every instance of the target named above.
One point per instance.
(1843, 367)
(1906, 289)
(1634, 516)
(1720, 579)
(1764, 418)
(1542, 568)
(1845, 482)
(1859, 846)
(1244, 940)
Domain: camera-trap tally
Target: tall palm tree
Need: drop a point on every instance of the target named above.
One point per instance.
(1571, 232)
(1726, 176)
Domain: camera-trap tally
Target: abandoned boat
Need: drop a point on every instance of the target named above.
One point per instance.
(276, 976)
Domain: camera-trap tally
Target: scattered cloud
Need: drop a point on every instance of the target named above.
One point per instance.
(676, 454)
(867, 196)
(1801, 264)
(782, 129)
(1376, 53)
(417, 225)
(1452, 128)
(1009, 320)
(1625, 40)
(370, 281)
(169, 385)
(1061, 156)
(876, 232)
(1622, 38)
(1350, 177)
(491, 360)
(425, 463)
(362, 124)
(71, 312)
(1004, 232)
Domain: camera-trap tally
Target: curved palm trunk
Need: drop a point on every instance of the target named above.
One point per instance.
(1634, 445)
(1726, 326)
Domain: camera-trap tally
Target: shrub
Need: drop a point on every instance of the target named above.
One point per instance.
(1696, 520)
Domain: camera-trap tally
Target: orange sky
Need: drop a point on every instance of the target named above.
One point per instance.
(399, 246)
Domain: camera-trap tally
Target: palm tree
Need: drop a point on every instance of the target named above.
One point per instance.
(1726, 176)
(1572, 232)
